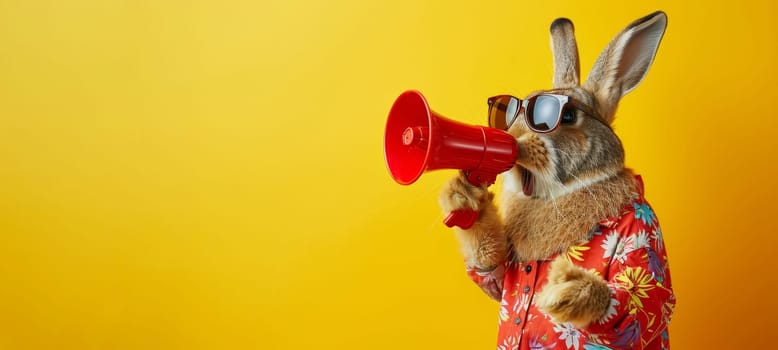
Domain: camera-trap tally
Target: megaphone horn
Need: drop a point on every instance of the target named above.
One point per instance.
(417, 140)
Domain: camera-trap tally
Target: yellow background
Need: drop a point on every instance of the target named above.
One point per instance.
(210, 174)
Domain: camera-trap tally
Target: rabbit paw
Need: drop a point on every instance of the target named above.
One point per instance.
(573, 294)
(461, 194)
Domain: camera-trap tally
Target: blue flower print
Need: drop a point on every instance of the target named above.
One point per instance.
(644, 213)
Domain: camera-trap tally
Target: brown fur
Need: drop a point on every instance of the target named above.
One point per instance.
(573, 294)
(578, 170)
(484, 244)
(540, 228)
(533, 153)
(565, 49)
(624, 62)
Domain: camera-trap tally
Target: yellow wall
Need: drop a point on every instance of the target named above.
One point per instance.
(210, 174)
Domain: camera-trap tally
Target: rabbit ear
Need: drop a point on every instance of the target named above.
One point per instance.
(565, 51)
(624, 63)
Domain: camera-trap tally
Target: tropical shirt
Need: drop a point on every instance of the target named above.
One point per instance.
(629, 253)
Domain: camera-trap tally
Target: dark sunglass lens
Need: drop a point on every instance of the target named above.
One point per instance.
(503, 111)
(543, 115)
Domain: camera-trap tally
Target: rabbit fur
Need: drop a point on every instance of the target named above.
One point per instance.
(579, 175)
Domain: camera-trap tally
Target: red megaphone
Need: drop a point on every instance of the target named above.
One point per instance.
(418, 140)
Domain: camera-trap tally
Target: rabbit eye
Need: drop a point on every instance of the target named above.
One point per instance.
(568, 116)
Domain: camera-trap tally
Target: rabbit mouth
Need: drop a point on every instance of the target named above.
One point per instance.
(527, 181)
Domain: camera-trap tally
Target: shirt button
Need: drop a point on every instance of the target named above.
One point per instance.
(526, 289)
(528, 268)
(517, 320)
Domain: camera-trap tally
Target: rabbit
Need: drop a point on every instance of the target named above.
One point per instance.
(575, 254)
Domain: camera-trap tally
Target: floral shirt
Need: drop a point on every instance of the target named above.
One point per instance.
(629, 253)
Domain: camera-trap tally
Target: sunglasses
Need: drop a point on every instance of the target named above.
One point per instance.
(544, 112)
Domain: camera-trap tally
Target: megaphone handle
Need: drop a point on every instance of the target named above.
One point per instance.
(464, 218)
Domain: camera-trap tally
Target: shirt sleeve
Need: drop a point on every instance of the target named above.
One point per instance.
(490, 281)
(642, 299)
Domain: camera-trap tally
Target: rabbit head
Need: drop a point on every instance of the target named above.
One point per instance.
(583, 149)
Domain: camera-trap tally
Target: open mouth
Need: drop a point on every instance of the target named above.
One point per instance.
(527, 181)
